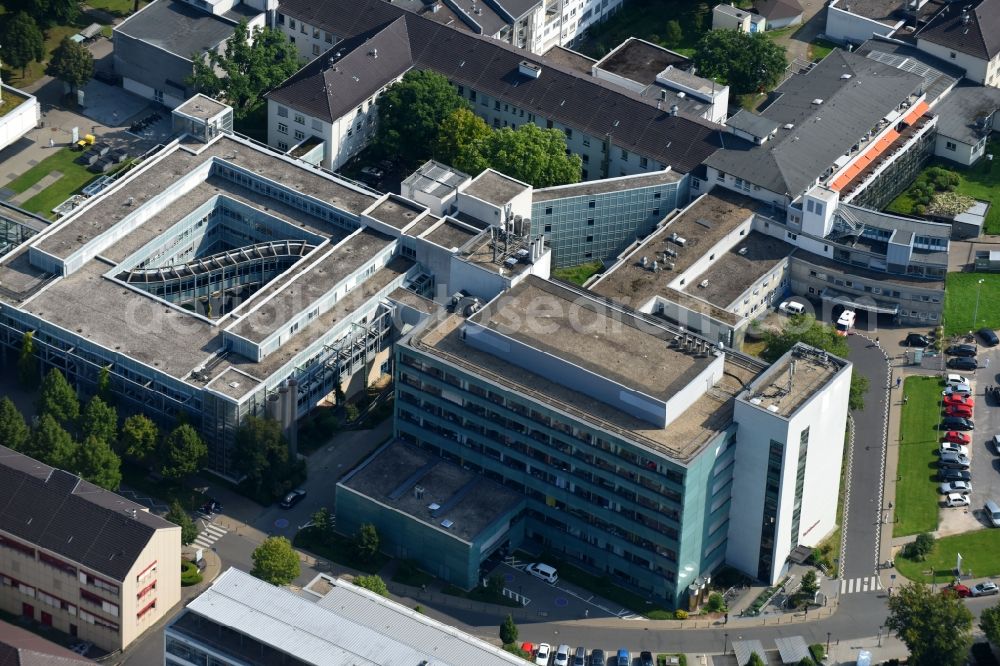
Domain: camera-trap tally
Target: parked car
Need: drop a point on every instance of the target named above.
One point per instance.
(542, 656)
(958, 410)
(210, 507)
(946, 474)
(293, 498)
(371, 175)
(961, 350)
(957, 437)
(917, 340)
(957, 423)
(989, 337)
(996, 443)
(985, 589)
(959, 399)
(580, 656)
(624, 658)
(561, 657)
(957, 389)
(992, 512)
(958, 590)
(646, 658)
(597, 658)
(951, 447)
(953, 461)
(792, 307)
(962, 363)
(956, 500)
(543, 571)
(960, 487)
(955, 380)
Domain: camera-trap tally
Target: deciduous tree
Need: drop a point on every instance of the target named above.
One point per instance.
(27, 365)
(251, 64)
(803, 328)
(276, 561)
(71, 63)
(411, 112)
(98, 463)
(748, 62)
(937, 628)
(262, 453)
(182, 452)
(51, 444)
(534, 155)
(58, 399)
(374, 583)
(22, 42)
(100, 420)
(14, 431)
(674, 33)
(178, 516)
(462, 141)
(139, 437)
(366, 543)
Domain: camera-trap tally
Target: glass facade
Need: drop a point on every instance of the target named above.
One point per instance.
(769, 519)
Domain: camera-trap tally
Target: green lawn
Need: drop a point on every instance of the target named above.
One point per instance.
(960, 302)
(74, 178)
(820, 48)
(578, 274)
(120, 8)
(979, 181)
(980, 554)
(916, 492)
(647, 19)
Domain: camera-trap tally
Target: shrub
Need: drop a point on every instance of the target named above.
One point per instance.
(189, 573)
(920, 208)
(715, 603)
(352, 412)
(680, 614)
(419, 609)
(818, 652)
(919, 549)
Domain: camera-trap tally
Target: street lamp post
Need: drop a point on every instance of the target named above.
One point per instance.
(975, 315)
(880, 636)
(725, 643)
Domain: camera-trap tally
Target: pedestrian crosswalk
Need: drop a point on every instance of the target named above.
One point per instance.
(210, 535)
(860, 584)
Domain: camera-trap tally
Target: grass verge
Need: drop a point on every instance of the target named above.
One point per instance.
(962, 291)
(578, 274)
(74, 178)
(648, 19)
(916, 494)
(820, 48)
(338, 548)
(980, 555)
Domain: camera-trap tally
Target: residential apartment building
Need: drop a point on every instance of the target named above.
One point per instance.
(625, 439)
(967, 34)
(82, 559)
(332, 100)
(243, 620)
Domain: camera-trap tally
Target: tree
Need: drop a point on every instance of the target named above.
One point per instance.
(716, 602)
(859, 387)
(462, 141)
(803, 328)
(366, 543)
(178, 516)
(47, 12)
(22, 42)
(71, 63)
(14, 431)
(182, 453)
(810, 585)
(755, 660)
(748, 62)
(139, 436)
(322, 522)
(262, 454)
(534, 155)
(250, 64)
(937, 628)
(989, 622)
(58, 399)
(96, 462)
(674, 33)
(53, 445)
(276, 561)
(373, 583)
(27, 367)
(919, 548)
(104, 384)
(508, 630)
(411, 111)
(100, 420)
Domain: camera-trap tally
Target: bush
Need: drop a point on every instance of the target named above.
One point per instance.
(352, 412)
(189, 573)
(919, 549)
(680, 614)
(715, 603)
(818, 652)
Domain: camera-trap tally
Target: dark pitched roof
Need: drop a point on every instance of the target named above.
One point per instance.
(566, 96)
(177, 27)
(961, 113)
(20, 647)
(774, 10)
(64, 514)
(939, 75)
(332, 85)
(821, 133)
(976, 32)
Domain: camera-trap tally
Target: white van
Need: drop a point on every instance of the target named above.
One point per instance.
(543, 571)
(992, 512)
(792, 307)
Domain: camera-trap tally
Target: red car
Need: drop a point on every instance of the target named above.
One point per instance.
(957, 399)
(958, 590)
(956, 437)
(962, 411)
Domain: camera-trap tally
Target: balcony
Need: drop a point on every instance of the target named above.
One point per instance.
(853, 181)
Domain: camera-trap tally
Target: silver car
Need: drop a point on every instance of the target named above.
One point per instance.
(985, 589)
(956, 487)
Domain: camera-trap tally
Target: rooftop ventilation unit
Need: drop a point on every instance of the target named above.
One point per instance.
(680, 240)
(433, 506)
(447, 524)
(418, 492)
(703, 284)
(789, 126)
(846, 76)
(742, 251)
(817, 101)
(529, 69)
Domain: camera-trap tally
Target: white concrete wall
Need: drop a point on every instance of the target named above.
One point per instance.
(724, 20)
(844, 26)
(962, 153)
(975, 68)
(141, 89)
(21, 119)
(710, 255)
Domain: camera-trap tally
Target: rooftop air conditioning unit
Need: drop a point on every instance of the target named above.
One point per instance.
(742, 251)
(529, 69)
(680, 240)
(703, 284)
